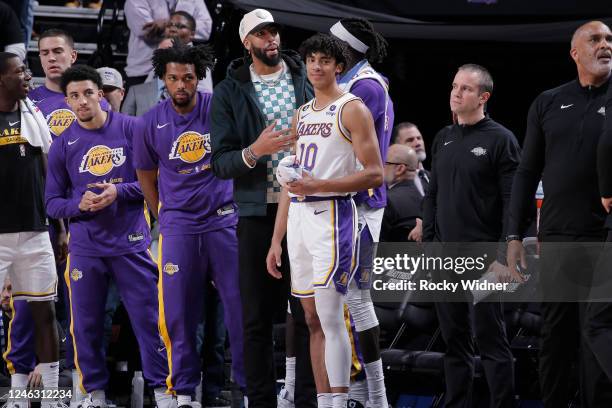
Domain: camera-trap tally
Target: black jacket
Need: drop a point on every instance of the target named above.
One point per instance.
(563, 130)
(404, 206)
(471, 178)
(237, 121)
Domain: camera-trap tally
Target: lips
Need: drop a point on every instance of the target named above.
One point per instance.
(605, 56)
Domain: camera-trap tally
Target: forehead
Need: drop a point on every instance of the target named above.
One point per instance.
(53, 42)
(80, 86)
(319, 55)
(595, 28)
(13, 64)
(411, 132)
(467, 77)
(177, 68)
(177, 18)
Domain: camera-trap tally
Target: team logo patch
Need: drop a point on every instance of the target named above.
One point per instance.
(602, 110)
(59, 120)
(100, 160)
(76, 274)
(479, 151)
(190, 147)
(171, 268)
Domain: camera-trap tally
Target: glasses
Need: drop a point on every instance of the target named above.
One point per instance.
(178, 26)
(401, 164)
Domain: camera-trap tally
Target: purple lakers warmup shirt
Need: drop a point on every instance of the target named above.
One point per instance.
(192, 199)
(82, 157)
(55, 109)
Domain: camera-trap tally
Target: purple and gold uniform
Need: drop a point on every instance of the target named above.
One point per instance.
(59, 117)
(110, 243)
(55, 109)
(19, 356)
(373, 89)
(197, 242)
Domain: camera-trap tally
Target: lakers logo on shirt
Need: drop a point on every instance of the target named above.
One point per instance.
(100, 160)
(190, 147)
(59, 120)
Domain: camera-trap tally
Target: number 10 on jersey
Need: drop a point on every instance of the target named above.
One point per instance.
(308, 155)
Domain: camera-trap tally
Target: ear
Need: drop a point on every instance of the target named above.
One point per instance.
(73, 56)
(340, 68)
(400, 169)
(484, 97)
(247, 44)
(574, 54)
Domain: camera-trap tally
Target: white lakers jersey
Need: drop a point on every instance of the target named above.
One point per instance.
(324, 146)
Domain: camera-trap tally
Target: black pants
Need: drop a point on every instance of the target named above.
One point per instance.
(563, 335)
(264, 298)
(459, 321)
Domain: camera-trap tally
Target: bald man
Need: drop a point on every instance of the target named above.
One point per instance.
(566, 123)
(403, 214)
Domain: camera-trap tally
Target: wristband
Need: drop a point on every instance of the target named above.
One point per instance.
(251, 154)
(513, 238)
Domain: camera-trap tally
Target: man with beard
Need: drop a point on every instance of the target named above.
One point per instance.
(25, 248)
(564, 125)
(196, 214)
(251, 115)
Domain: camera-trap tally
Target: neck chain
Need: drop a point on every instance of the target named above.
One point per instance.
(269, 82)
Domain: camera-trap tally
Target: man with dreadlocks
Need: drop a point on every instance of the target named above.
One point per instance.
(196, 214)
(365, 45)
(92, 182)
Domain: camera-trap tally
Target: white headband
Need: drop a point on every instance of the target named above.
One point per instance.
(342, 33)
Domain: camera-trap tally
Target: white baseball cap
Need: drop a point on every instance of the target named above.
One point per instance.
(110, 77)
(254, 19)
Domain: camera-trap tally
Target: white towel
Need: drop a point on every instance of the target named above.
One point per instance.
(34, 126)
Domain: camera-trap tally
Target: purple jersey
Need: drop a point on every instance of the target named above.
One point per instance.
(375, 98)
(192, 200)
(82, 157)
(55, 109)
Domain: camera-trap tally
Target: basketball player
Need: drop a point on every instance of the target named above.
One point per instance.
(364, 44)
(196, 213)
(57, 54)
(92, 181)
(334, 130)
(25, 249)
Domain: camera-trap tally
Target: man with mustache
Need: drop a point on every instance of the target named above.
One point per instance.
(251, 115)
(566, 123)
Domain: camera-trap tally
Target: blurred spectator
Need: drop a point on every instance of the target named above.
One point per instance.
(24, 9)
(142, 97)
(92, 4)
(181, 27)
(112, 85)
(402, 220)
(11, 40)
(147, 21)
(408, 134)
